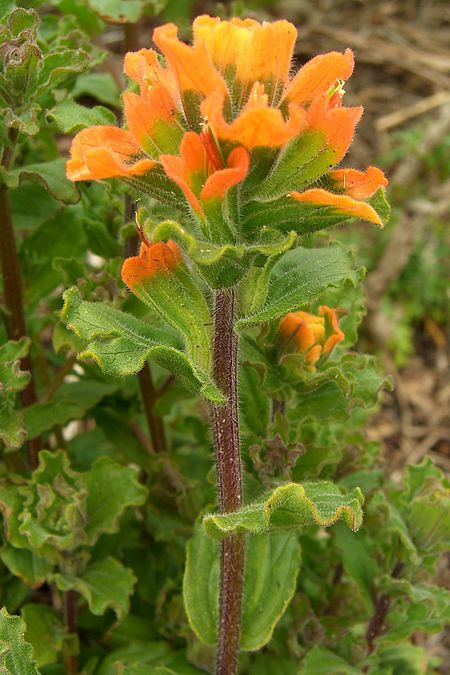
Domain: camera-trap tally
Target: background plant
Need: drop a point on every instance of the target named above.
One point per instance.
(344, 579)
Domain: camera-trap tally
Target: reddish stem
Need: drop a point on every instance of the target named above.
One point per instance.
(13, 295)
(225, 423)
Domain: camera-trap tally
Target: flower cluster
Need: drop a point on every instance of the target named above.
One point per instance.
(311, 335)
(224, 113)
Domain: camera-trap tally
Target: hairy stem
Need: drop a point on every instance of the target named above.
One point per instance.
(12, 293)
(70, 619)
(225, 423)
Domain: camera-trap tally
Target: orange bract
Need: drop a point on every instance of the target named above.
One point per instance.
(359, 184)
(105, 152)
(196, 173)
(153, 259)
(340, 203)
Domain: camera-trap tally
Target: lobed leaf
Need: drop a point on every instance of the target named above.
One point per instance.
(121, 344)
(12, 381)
(103, 584)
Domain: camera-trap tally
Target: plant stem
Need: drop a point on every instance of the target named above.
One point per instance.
(12, 293)
(225, 423)
(70, 619)
(149, 397)
(377, 622)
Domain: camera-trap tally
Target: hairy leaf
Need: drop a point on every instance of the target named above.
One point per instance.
(121, 344)
(291, 505)
(16, 655)
(298, 278)
(272, 563)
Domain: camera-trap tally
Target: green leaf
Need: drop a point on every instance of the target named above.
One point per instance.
(381, 205)
(141, 657)
(112, 488)
(298, 278)
(272, 563)
(288, 506)
(52, 175)
(100, 86)
(12, 381)
(320, 661)
(70, 116)
(104, 584)
(71, 402)
(121, 344)
(45, 632)
(117, 11)
(358, 561)
(16, 655)
(25, 564)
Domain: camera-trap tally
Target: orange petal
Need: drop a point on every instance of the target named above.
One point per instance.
(341, 203)
(338, 124)
(221, 181)
(319, 74)
(252, 50)
(337, 334)
(192, 66)
(142, 114)
(152, 259)
(359, 184)
(144, 68)
(254, 127)
(105, 152)
(190, 168)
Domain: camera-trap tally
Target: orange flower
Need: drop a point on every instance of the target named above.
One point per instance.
(311, 335)
(223, 104)
(159, 258)
(199, 172)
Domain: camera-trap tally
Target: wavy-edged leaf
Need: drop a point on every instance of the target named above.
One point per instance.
(12, 381)
(23, 563)
(298, 278)
(321, 661)
(291, 505)
(112, 488)
(16, 655)
(104, 584)
(272, 563)
(121, 344)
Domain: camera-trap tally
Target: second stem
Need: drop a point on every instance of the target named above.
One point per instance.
(225, 422)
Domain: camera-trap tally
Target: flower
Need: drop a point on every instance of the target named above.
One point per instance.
(311, 335)
(223, 116)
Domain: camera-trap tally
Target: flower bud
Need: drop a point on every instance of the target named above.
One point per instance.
(310, 335)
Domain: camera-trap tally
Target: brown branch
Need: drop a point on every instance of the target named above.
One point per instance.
(149, 398)
(70, 619)
(12, 291)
